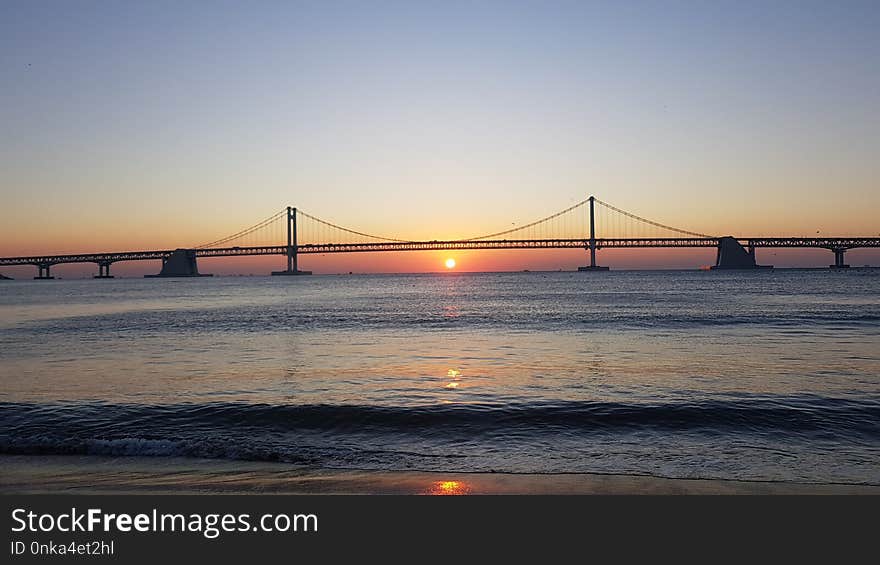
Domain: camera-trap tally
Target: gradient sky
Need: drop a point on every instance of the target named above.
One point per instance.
(166, 124)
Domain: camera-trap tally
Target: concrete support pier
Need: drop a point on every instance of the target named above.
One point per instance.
(292, 267)
(43, 270)
(839, 262)
(181, 263)
(592, 247)
(104, 270)
(732, 255)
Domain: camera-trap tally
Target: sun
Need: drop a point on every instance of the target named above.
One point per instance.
(450, 263)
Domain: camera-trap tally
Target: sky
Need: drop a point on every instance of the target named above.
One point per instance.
(153, 125)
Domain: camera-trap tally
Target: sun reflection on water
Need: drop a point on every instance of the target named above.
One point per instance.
(448, 488)
(451, 312)
(453, 374)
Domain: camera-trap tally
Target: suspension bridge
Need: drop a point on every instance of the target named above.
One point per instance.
(591, 225)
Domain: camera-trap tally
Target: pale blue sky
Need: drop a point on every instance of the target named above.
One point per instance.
(120, 119)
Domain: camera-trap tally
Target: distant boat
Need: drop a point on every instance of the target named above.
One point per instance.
(5, 278)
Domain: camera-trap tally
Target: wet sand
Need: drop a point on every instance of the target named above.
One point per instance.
(145, 475)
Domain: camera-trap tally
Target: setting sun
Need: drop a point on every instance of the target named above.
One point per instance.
(450, 263)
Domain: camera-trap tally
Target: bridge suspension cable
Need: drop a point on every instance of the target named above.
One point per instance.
(529, 225)
(263, 225)
(650, 222)
(333, 226)
(572, 223)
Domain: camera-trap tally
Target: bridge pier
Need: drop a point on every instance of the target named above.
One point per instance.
(839, 262)
(732, 255)
(104, 270)
(593, 267)
(181, 263)
(592, 247)
(292, 267)
(43, 270)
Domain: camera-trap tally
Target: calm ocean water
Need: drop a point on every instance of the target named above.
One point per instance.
(747, 375)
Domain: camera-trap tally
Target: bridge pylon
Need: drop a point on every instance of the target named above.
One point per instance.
(292, 247)
(592, 245)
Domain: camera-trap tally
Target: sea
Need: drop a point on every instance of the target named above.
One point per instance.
(770, 375)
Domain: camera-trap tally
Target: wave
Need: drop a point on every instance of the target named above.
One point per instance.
(800, 414)
(805, 437)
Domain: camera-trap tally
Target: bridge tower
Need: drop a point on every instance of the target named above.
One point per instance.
(592, 246)
(292, 267)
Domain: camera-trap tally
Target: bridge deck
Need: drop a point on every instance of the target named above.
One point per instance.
(607, 243)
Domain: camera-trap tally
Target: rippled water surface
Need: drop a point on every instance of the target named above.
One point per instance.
(763, 375)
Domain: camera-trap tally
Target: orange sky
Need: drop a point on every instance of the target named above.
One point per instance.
(136, 126)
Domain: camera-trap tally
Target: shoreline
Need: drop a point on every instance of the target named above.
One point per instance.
(92, 474)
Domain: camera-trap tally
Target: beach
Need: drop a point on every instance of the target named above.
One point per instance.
(83, 474)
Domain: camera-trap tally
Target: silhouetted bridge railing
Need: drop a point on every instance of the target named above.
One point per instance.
(613, 243)
(732, 252)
